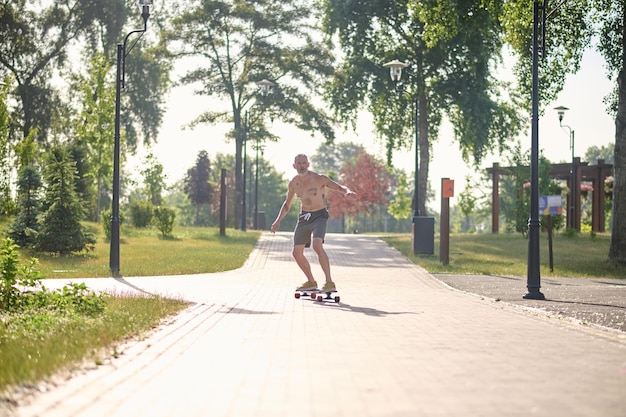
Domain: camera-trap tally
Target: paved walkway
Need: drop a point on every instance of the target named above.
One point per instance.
(400, 343)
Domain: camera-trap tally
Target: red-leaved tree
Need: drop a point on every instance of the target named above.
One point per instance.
(371, 182)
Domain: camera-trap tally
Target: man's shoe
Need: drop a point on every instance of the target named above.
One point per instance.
(307, 286)
(329, 287)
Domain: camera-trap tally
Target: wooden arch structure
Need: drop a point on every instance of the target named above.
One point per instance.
(582, 172)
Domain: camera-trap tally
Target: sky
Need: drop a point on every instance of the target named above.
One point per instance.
(177, 147)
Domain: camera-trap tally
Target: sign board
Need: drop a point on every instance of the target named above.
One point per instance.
(447, 188)
(550, 205)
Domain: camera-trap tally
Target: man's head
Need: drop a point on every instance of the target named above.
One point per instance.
(301, 164)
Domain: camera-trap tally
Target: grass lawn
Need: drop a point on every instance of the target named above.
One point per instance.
(143, 252)
(507, 254)
(38, 343)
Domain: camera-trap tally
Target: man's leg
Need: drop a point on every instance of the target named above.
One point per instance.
(322, 256)
(303, 263)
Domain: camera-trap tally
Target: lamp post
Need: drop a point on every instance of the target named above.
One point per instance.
(423, 226)
(571, 218)
(265, 86)
(114, 256)
(533, 278)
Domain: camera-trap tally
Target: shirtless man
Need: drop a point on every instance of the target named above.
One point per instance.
(310, 187)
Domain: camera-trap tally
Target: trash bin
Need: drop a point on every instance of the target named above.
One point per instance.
(260, 220)
(423, 235)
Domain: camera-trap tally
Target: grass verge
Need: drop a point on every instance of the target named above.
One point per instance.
(582, 256)
(193, 250)
(35, 344)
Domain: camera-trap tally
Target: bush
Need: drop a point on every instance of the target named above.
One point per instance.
(141, 213)
(21, 288)
(164, 220)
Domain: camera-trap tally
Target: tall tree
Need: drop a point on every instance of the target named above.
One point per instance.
(613, 48)
(36, 39)
(236, 43)
(569, 30)
(451, 48)
(196, 184)
(60, 229)
(5, 166)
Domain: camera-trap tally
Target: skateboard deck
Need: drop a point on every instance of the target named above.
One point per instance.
(317, 295)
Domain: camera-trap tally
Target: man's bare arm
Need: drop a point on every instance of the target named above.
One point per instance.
(284, 208)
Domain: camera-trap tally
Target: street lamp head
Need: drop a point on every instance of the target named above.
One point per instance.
(561, 110)
(395, 69)
(265, 85)
(145, 8)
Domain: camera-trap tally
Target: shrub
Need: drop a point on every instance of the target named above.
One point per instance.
(141, 213)
(164, 220)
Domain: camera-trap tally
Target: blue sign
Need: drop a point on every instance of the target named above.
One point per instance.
(550, 205)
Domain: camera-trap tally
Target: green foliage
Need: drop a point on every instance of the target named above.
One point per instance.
(24, 229)
(21, 288)
(164, 220)
(154, 179)
(60, 229)
(141, 213)
(197, 186)
(265, 40)
(400, 207)
(451, 48)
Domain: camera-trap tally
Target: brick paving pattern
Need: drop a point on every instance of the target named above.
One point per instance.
(400, 343)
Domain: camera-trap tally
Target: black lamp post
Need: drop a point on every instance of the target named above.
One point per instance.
(423, 226)
(114, 259)
(571, 218)
(265, 86)
(533, 279)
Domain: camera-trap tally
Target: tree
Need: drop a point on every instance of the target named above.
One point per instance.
(24, 229)
(371, 182)
(569, 31)
(60, 229)
(237, 43)
(613, 47)
(451, 48)
(400, 207)
(154, 179)
(594, 153)
(36, 38)
(197, 186)
(93, 126)
(5, 166)
(467, 202)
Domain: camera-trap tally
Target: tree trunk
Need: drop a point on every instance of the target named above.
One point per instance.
(424, 156)
(617, 251)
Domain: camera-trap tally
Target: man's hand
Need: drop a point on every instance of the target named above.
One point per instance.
(275, 226)
(349, 191)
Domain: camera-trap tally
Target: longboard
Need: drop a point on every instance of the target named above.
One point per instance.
(317, 295)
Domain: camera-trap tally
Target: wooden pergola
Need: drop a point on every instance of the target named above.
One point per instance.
(583, 172)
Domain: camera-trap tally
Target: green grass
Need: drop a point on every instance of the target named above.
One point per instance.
(144, 253)
(36, 344)
(581, 256)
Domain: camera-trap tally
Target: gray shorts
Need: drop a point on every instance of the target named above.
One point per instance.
(310, 223)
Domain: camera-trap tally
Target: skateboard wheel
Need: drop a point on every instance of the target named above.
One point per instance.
(297, 295)
(313, 295)
(320, 298)
(337, 298)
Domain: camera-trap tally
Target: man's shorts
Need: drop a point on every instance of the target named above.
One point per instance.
(310, 223)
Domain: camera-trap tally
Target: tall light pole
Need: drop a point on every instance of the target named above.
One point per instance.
(571, 218)
(423, 226)
(265, 86)
(114, 256)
